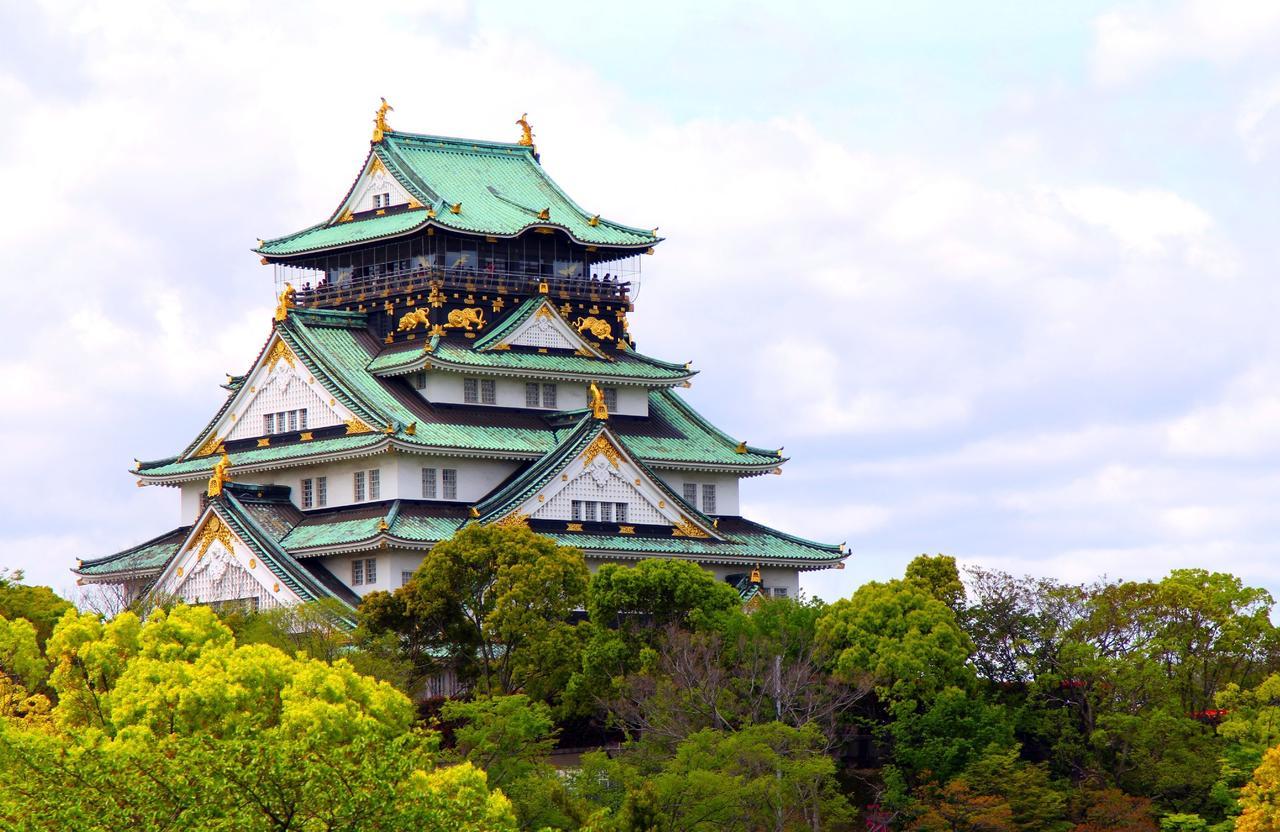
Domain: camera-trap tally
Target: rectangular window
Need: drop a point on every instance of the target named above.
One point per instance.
(358, 486)
(691, 493)
(322, 491)
(357, 572)
(449, 479)
(405, 577)
(293, 420)
(531, 397)
(620, 512)
(375, 484)
(428, 483)
(708, 499)
(471, 390)
(371, 571)
(268, 423)
(302, 419)
(610, 398)
(488, 391)
(590, 515)
(308, 493)
(606, 512)
(779, 592)
(418, 380)
(280, 417)
(575, 511)
(548, 395)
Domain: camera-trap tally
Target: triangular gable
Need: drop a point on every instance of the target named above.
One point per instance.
(600, 470)
(216, 565)
(278, 383)
(375, 179)
(540, 325)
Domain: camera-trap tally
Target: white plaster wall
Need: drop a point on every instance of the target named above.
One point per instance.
(190, 508)
(446, 388)
(391, 563)
(726, 488)
(476, 477)
(281, 390)
(341, 479)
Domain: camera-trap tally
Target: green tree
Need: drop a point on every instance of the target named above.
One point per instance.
(498, 602)
(996, 792)
(37, 604)
(940, 577)
(170, 724)
(899, 635)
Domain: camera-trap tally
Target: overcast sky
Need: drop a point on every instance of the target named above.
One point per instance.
(1000, 276)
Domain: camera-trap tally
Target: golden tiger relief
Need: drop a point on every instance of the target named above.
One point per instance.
(464, 318)
(595, 326)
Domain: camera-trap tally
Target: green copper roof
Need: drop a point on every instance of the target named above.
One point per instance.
(415, 522)
(453, 356)
(501, 189)
(262, 456)
(688, 437)
(745, 542)
(145, 558)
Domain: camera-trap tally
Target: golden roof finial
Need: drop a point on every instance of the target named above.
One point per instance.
(526, 131)
(284, 305)
(220, 475)
(380, 125)
(595, 397)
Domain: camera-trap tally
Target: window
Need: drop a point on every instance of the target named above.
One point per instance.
(575, 512)
(471, 390)
(590, 506)
(539, 395)
(308, 493)
(610, 398)
(375, 481)
(358, 486)
(322, 491)
(488, 391)
(708, 499)
(381, 200)
(428, 483)
(779, 592)
(418, 380)
(449, 479)
(405, 577)
(620, 512)
(284, 422)
(691, 493)
(364, 571)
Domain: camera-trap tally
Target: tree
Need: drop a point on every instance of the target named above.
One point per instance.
(995, 793)
(901, 636)
(170, 724)
(37, 604)
(939, 576)
(498, 602)
(1260, 798)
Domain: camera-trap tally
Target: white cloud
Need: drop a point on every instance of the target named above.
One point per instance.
(1140, 38)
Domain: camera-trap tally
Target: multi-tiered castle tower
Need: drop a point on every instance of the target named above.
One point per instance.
(451, 347)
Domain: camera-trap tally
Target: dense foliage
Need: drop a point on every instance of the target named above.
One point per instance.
(647, 698)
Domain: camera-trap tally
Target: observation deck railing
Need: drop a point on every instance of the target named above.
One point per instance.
(317, 289)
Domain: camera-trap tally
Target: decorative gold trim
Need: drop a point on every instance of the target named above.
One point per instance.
(456, 208)
(600, 446)
(596, 326)
(412, 429)
(474, 513)
(685, 528)
(626, 530)
(264, 442)
(253, 563)
(346, 216)
(741, 447)
(573, 527)
(305, 436)
(279, 351)
(354, 425)
(526, 131)
(514, 520)
(594, 221)
(544, 214)
(464, 318)
(380, 125)
(220, 475)
(213, 529)
(210, 446)
(285, 302)
(595, 398)
(382, 524)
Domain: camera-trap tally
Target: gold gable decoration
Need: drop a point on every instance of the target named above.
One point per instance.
(213, 529)
(595, 397)
(601, 446)
(354, 425)
(684, 527)
(210, 446)
(280, 352)
(380, 125)
(285, 302)
(514, 520)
